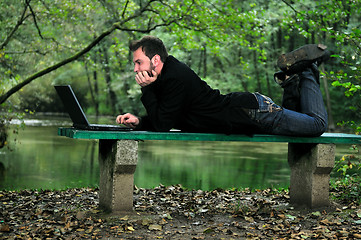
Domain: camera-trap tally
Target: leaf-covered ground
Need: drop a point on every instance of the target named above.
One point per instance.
(172, 213)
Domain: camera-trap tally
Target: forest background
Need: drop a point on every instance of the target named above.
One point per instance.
(233, 45)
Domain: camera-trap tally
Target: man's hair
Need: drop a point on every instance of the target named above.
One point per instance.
(151, 46)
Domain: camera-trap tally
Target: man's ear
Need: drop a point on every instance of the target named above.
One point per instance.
(156, 60)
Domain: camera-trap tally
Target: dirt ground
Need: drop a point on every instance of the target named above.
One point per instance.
(173, 213)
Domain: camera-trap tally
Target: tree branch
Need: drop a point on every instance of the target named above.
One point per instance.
(117, 25)
(290, 5)
(41, 73)
(149, 29)
(34, 18)
(125, 8)
(16, 88)
(19, 22)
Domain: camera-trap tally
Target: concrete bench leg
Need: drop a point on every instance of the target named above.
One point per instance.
(117, 162)
(311, 165)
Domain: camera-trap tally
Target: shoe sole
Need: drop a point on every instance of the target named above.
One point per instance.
(279, 77)
(300, 58)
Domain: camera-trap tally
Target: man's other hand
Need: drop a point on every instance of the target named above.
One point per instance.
(128, 120)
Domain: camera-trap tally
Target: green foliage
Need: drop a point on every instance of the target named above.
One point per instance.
(7, 114)
(233, 45)
(347, 183)
(347, 189)
(356, 127)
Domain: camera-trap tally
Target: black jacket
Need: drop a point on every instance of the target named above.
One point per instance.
(180, 99)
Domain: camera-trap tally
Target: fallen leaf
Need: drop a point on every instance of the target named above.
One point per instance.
(168, 216)
(227, 231)
(130, 228)
(162, 222)
(358, 222)
(155, 227)
(208, 230)
(316, 214)
(326, 222)
(357, 235)
(203, 210)
(125, 218)
(80, 215)
(358, 212)
(4, 228)
(342, 233)
(67, 225)
(146, 222)
(249, 219)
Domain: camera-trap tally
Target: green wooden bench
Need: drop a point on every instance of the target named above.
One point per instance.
(310, 159)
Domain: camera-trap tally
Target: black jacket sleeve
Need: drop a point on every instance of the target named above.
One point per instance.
(164, 109)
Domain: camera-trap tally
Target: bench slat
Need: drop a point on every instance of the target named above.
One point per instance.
(337, 138)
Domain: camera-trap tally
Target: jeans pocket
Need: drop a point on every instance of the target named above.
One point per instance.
(266, 104)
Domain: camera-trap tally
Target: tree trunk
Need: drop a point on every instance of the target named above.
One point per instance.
(93, 97)
(269, 90)
(256, 71)
(205, 61)
(244, 83)
(96, 92)
(111, 94)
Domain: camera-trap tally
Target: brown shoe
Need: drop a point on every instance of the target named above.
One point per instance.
(303, 57)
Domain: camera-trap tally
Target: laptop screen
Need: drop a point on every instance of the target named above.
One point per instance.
(72, 105)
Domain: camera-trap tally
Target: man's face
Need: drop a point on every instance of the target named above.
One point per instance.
(141, 61)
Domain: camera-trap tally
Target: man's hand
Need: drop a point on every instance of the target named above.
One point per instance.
(145, 78)
(128, 120)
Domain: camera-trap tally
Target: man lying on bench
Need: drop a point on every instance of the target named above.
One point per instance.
(175, 97)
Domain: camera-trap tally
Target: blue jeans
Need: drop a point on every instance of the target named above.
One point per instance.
(311, 121)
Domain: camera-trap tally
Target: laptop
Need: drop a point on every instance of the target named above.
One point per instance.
(77, 115)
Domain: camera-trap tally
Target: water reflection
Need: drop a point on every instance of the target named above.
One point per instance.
(43, 160)
(210, 165)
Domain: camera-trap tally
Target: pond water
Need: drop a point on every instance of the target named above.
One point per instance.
(40, 159)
